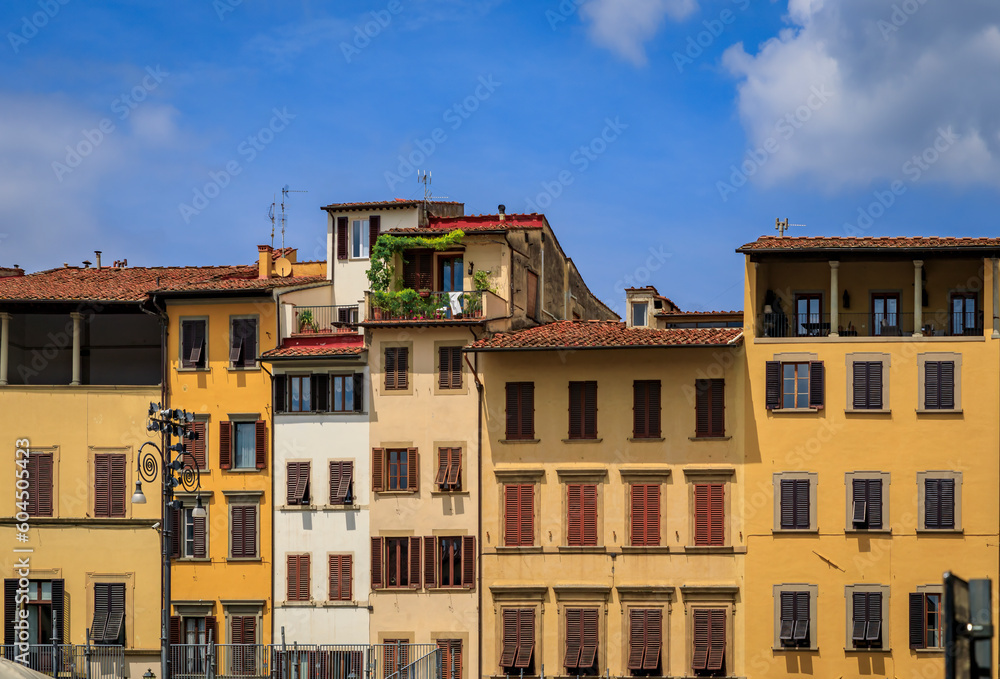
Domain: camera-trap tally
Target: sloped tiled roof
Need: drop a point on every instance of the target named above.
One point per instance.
(606, 335)
(789, 243)
(316, 351)
(682, 314)
(474, 223)
(396, 202)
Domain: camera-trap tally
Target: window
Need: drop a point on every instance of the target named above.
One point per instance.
(710, 408)
(397, 656)
(964, 314)
(518, 645)
(939, 385)
(867, 385)
(450, 273)
(709, 655)
(193, 631)
(396, 562)
(297, 587)
(243, 343)
(396, 362)
(359, 239)
(193, 345)
(299, 394)
(297, 483)
(109, 485)
(40, 484)
(520, 410)
(341, 482)
(348, 393)
(418, 269)
(197, 456)
(341, 578)
(794, 385)
(45, 608)
(809, 314)
(794, 631)
(449, 473)
(243, 635)
(243, 531)
(646, 409)
(583, 410)
(449, 367)
(395, 469)
(450, 561)
(866, 623)
(189, 539)
(109, 614)
(925, 619)
(866, 513)
(885, 314)
(645, 514)
(939, 503)
(795, 504)
(581, 641)
(243, 445)
(639, 314)
(581, 519)
(645, 640)
(709, 514)
(451, 658)
(313, 393)
(519, 515)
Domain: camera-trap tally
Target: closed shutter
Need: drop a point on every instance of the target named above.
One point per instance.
(653, 408)
(250, 531)
(512, 517)
(710, 406)
(860, 396)
(574, 515)
(469, 561)
(709, 514)
(574, 639)
(212, 630)
(237, 538)
(418, 269)
(917, 636)
(225, 445)
(867, 385)
(176, 532)
(874, 503)
(412, 470)
(939, 503)
(118, 486)
(639, 410)
(260, 444)
(527, 410)
(200, 535)
(102, 486)
(513, 403)
(320, 383)
(520, 410)
(645, 515)
(402, 367)
(795, 504)
(817, 381)
(342, 245)
(576, 410)
(197, 446)
(346, 577)
(59, 609)
(292, 578)
(932, 385)
(717, 404)
(875, 385)
(9, 610)
(374, 227)
(450, 367)
(947, 385)
(430, 561)
(390, 368)
(772, 385)
(590, 410)
(40, 476)
(947, 519)
(378, 581)
(378, 469)
(415, 563)
(304, 577)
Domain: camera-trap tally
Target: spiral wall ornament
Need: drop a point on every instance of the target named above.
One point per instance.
(149, 463)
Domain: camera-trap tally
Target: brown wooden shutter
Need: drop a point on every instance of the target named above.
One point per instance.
(341, 475)
(212, 629)
(527, 410)
(415, 563)
(197, 446)
(176, 532)
(41, 474)
(291, 481)
(718, 408)
(430, 561)
(359, 392)
(342, 246)
(118, 485)
(589, 515)
(102, 486)
(512, 519)
(456, 367)
(175, 629)
(574, 640)
(817, 381)
(702, 408)
(654, 639)
(576, 410)
(469, 561)
(639, 408)
(260, 444)
(636, 638)
(917, 636)
(717, 523)
(574, 517)
(590, 410)
(333, 578)
(702, 515)
(772, 385)
(513, 419)
(510, 629)
(717, 644)
(653, 408)
(525, 637)
(304, 576)
(9, 611)
(638, 514)
(589, 634)
(200, 542)
(225, 445)
(526, 514)
(378, 580)
(701, 639)
(444, 463)
(374, 227)
(412, 470)
(292, 577)
(531, 295)
(378, 469)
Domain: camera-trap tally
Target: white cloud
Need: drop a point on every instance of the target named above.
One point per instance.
(899, 71)
(625, 26)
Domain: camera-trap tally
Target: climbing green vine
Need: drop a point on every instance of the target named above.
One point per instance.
(388, 246)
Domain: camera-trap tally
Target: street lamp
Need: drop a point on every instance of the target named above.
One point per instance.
(169, 423)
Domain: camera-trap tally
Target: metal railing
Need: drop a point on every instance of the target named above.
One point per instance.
(71, 661)
(868, 324)
(408, 305)
(325, 319)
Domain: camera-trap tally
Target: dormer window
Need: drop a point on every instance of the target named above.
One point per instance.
(639, 314)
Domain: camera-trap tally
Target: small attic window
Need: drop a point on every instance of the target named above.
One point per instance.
(657, 304)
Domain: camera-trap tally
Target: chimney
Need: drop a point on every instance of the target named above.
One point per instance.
(264, 268)
(86, 264)
(502, 209)
(97, 254)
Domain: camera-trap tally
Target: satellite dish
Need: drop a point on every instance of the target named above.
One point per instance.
(283, 267)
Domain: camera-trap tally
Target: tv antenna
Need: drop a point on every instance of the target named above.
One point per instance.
(782, 226)
(424, 177)
(283, 218)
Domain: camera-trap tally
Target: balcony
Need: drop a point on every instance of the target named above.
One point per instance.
(410, 306)
(878, 324)
(325, 320)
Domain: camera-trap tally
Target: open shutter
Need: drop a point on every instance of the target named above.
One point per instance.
(102, 606)
(654, 639)
(874, 631)
(291, 482)
(415, 563)
(787, 605)
(197, 344)
(59, 610)
(200, 543)
(225, 445)
(260, 444)
(377, 552)
(444, 464)
(176, 532)
(574, 514)
(701, 639)
(525, 637)
(817, 380)
(588, 653)
(412, 470)
(374, 227)
(187, 344)
(717, 647)
(859, 605)
(636, 638)
(800, 631)
(430, 561)
(513, 418)
(947, 385)
(320, 383)
(589, 516)
(574, 638)
(917, 636)
(772, 385)
(455, 469)
(510, 629)
(469, 561)
(359, 392)
(859, 495)
(456, 367)
(512, 519)
(175, 633)
(342, 246)
(378, 469)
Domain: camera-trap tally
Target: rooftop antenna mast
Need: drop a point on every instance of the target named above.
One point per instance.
(424, 177)
(782, 226)
(283, 218)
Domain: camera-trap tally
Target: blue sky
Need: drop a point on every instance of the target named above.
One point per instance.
(656, 135)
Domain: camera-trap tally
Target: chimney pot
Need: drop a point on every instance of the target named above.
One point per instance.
(86, 263)
(97, 255)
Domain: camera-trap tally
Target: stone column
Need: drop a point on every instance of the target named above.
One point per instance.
(4, 343)
(834, 299)
(77, 318)
(996, 299)
(918, 298)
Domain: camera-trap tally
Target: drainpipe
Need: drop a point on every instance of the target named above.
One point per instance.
(479, 507)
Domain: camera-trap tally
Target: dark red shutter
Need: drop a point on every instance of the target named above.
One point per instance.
(510, 629)
(176, 533)
(512, 519)
(430, 561)
(717, 522)
(917, 636)
(574, 640)
(212, 629)
(377, 552)
(378, 469)
(636, 638)
(772, 385)
(342, 246)
(175, 629)
(817, 380)
(304, 576)
(444, 463)
(374, 227)
(654, 639)
(102, 486)
(415, 563)
(469, 561)
(225, 445)
(531, 296)
(412, 470)
(525, 637)
(292, 578)
(717, 642)
(526, 514)
(197, 446)
(444, 367)
(589, 515)
(200, 543)
(260, 444)
(41, 474)
(118, 485)
(574, 514)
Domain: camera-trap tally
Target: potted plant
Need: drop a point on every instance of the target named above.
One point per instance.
(306, 321)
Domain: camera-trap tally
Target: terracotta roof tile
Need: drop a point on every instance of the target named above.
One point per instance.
(396, 202)
(607, 335)
(316, 350)
(472, 223)
(786, 243)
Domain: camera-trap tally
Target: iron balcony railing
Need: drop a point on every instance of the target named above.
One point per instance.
(440, 306)
(325, 319)
(69, 661)
(867, 324)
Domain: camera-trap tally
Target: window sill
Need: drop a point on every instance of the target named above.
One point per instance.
(296, 508)
(296, 604)
(396, 589)
(646, 439)
(248, 470)
(242, 370)
(511, 442)
(709, 438)
(867, 411)
(788, 411)
(340, 604)
(939, 411)
(795, 531)
(446, 590)
(191, 559)
(654, 549)
(581, 549)
(506, 549)
(928, 651)
(940, 531)
(863, 531)
(582, 440)
(395, 492)
(794, 649)
(339, 508)
(193, 370)
(448, 493)
(301, 413)
(867, 650)
(714, 549)
(245, 559)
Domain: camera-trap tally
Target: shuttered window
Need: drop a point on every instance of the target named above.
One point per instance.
(520, 410)
(243, 531)
(518, 646)
(794, 624)
(581, 519)
(396, 562)
(298, 577)
(189, 536)
(581, 639)
(451, 658)
(939, 503)
(348, 393)
(866, 630)
(418, 269)
(519, 515)
(196, 449)
(243, 343)
(109, 485)
(867, 508)
(939, 385)
(342, 244)
(794, 385)
(450, 367)
(646, 409)
(449, 469)
(341, 581)
(193, 354)
(645, 514)
(926, 620)
(397, 361)
(795, 504)
(297, 483)
(397, 657)
(709, 514)
(108, 625)
(867, 385)
(710, 408)
(645, 640)
(583, 410)
(395, 470)
(450, 561)
(40, 484)
(341, 482)
(708, 657)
